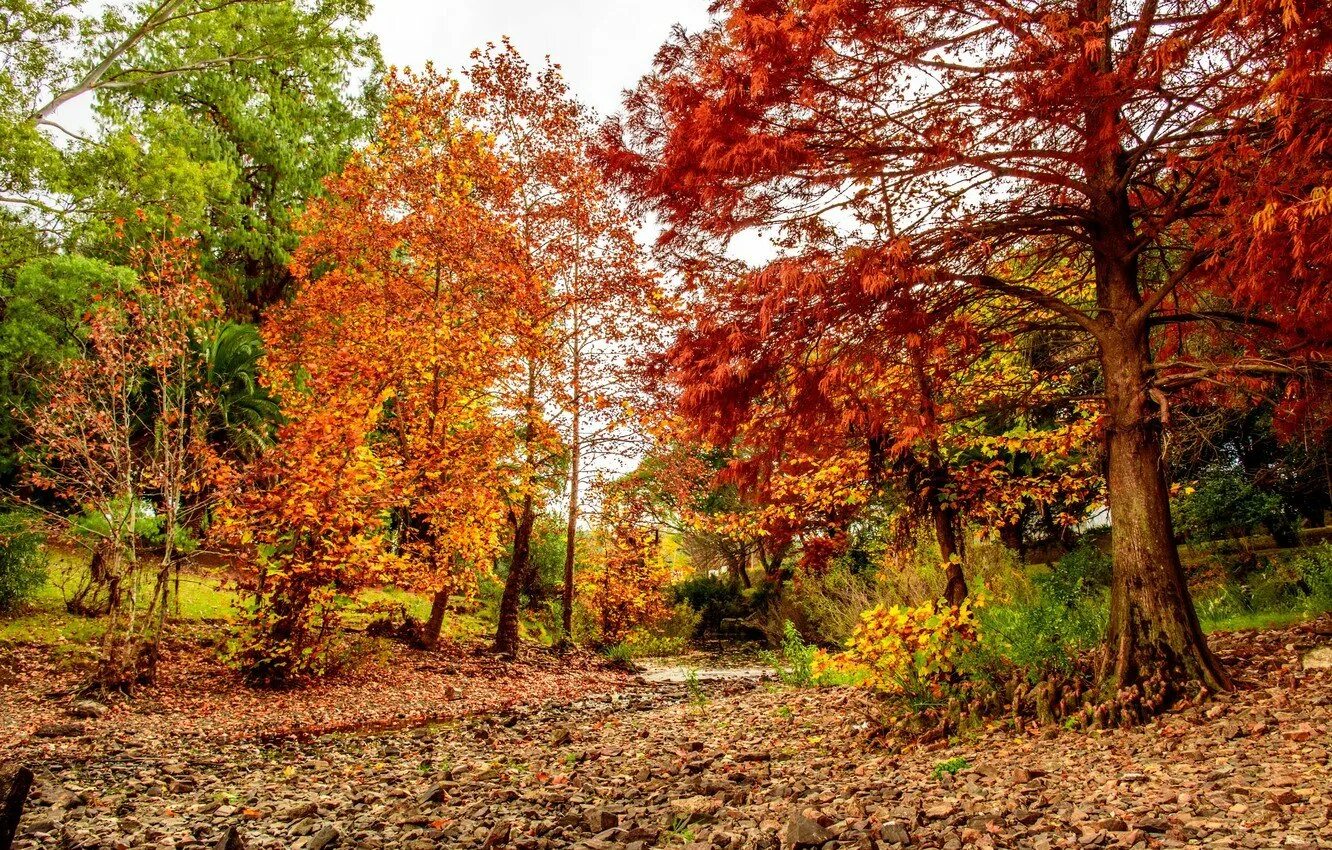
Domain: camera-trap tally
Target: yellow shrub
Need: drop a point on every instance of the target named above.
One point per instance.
(907, 649)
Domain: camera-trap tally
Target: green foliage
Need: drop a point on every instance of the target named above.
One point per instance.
(1284, 590)
(1047, 629)
(1225, 504)
(697, 698)
(42, 311)
(950, 767)
(620, 652)
(245, 414)
(1081, 574)
(23, 561)
(148, 527)
(713, 597)
(795, 665)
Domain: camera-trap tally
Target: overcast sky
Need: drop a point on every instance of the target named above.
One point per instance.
(603, 46)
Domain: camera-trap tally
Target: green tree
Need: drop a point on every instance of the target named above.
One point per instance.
(41, 325)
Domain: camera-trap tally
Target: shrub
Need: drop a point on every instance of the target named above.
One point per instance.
(22, 560)
(1314, 567)
(1040, 635)
(1049, 627)
(1225, 504)
(713, 597)
(914, 651)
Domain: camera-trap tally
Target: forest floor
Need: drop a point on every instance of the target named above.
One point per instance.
(552, 753)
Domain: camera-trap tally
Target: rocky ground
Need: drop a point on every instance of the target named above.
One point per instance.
(730, 763)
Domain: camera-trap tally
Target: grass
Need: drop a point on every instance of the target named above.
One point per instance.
(43, 621)
(1256, 620)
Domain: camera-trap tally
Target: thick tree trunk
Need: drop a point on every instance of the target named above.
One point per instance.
(1154, 630)
(506, 633)
(1153, 626)
(435, 625)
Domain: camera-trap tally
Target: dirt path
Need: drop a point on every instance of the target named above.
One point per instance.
(756, 765)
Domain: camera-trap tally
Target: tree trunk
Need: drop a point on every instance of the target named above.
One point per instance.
(946, 534)
(506, 632)
(1153, 629)
(1153, 626)
(571, 533)
(433, 627)
(15, 796)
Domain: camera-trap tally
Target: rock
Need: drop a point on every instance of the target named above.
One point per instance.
(299, 811)
(1318, 658)
(802, 831)
(323, 838)
(939, 811)
(600, 820)
(433, 794)
(498, 835)
(58, 730)
(87, 708)
(696, 809)
(230, 840)
(895, 832)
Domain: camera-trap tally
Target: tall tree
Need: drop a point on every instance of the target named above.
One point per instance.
(1055, 165)
(387, 363)
(575, 253)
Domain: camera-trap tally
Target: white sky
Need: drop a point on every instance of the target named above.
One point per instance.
(603, 46)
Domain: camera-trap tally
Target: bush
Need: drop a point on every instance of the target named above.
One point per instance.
(1300, 584)
(1314, 567)
(801, 665)
(22, 560)
(1225, 505)
(1062, 617)
(713, 597)
(1041, 635)
(914, 651)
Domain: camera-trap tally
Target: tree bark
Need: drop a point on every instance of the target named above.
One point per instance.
(575, 461)
(945, 533)
(15, 796)
(435, 625)
(506, 632)
(1153, 627)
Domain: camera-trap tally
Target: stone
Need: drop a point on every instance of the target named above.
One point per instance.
(88, 709)
(58, 730)
(1318, 658)
(696, 809)
(803, 831)
(895, 832)
(498, 835)
(600, 820)
(230, 840)
(323, 838)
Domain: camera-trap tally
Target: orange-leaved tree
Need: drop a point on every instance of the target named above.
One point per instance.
(574, 254)
(386, 362)
(122, 436)
(1049, 167)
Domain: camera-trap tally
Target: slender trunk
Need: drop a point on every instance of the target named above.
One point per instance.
(506, 632)
(945, 534)
(435, 625)
(571, 531)
(936, 477)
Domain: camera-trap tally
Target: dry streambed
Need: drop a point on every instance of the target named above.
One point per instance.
(753, 766)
